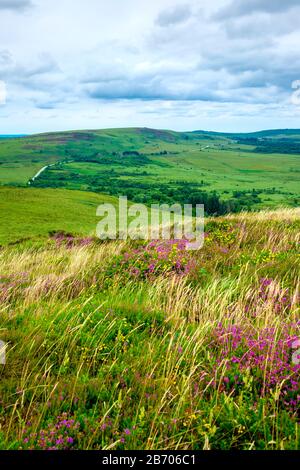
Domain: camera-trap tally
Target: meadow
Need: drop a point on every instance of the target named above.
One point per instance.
(145, 344)
(244, 172)
(138, 345)
(31, 214)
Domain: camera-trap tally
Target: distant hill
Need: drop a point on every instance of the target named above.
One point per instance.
(269, 134)
(226, 172)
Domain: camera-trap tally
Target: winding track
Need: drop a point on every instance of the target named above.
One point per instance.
(41, 171)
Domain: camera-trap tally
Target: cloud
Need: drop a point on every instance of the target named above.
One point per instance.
(243, 68)
(176, 15)
(243, 8)
(41, 67)
(264, 26)
(15, 5)
(165, 61)
(218, 85)
(39, 81)
(217, 67)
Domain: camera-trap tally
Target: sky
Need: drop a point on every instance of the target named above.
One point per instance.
(223, 65)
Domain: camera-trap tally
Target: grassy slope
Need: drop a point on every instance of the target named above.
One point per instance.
(31, 212)
(225, 166)
(140, 363)
(219, 170)
(20, 159)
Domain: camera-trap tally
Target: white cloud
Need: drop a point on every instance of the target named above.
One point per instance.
(137, 60)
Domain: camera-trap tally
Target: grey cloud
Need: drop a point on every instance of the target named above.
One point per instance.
(182, 59)
(14, 71)
(5, 57)
(256, 68)
(263, 26)
(47, 103)
(214, 87)
(152, 86)
(175, 15)
(226, 65)
(249, 70)
(46, 64)
(38, 81)
(246, 7)
(15, 5)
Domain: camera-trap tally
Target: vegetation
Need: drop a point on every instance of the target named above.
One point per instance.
(127, 345)
(227, 172)
(33, 213)
(147, 345)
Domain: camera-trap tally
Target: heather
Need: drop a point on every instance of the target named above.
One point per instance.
(145, 345)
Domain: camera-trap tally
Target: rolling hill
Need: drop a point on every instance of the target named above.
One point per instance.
(245, 171)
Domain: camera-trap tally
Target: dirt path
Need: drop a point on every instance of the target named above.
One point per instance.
(40, 172)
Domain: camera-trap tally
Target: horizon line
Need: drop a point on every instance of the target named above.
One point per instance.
(149, 128)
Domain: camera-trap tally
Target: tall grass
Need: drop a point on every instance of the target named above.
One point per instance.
(104, 354)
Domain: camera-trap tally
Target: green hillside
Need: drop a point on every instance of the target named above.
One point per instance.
(228, 172)
(137, 345)
(31, 213)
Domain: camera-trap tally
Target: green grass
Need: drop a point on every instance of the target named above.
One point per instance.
(219, 170)
(104, 354)
(122, 345)
(95, 161)
(22, 158)
(31, 212)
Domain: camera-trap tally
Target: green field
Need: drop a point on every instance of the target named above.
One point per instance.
(243, 171)
(31, 213)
